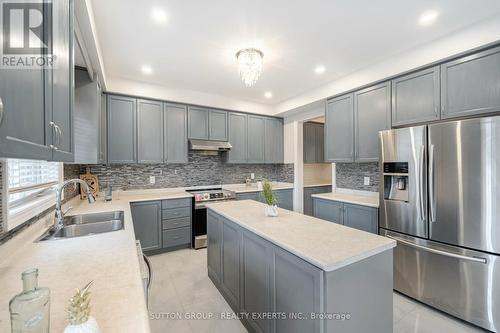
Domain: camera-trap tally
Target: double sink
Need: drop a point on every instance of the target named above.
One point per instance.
(86, 224)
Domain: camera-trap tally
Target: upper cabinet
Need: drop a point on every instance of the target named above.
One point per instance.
(149, 131)
(237, 137)
(256, 139)
(313, 138)
(415, 97)
(273, 150)
(175, 129)
(207, 124)
(339, 128)
(36, 105)
(122, 129)
(372, 113)
(471, 85)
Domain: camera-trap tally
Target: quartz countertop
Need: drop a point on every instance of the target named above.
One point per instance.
(109, 259)
(243, 188)
(326, 245)
(352, 198)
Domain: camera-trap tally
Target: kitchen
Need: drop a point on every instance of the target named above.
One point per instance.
(211, 167)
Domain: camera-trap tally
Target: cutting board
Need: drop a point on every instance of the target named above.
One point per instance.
(93, 183)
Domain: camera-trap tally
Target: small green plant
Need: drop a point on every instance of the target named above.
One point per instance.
(268, 194)
(79, 306)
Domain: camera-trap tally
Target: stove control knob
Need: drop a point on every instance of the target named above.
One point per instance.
(206, 196)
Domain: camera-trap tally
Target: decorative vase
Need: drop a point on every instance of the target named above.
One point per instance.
(271, 210)
(90, 326)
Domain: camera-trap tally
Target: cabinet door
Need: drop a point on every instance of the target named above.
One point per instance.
(320, 143)
(308, 200)
(339, 127)
(255, 143)
(415, 97)
(273, 137)
(231, 239)
(198, 123)
(297, 288)
(214, 246)
(237, 138)
(217, 125)
(471, 85)
(372, 107)
(149, 131)
(361, 217)
(122, 121)
(328, 210)
(256, 280)
(309, 147)
(146, 217)
(285, 198)
(175, 127)
(62, 80)
(103, 141)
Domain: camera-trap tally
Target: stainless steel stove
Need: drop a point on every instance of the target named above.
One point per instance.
(202, 197)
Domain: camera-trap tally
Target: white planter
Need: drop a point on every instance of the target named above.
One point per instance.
(90, 326)
(271, 210)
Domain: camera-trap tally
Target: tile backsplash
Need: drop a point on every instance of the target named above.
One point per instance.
(351, 176)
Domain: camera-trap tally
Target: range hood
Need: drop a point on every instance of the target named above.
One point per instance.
(207, 145)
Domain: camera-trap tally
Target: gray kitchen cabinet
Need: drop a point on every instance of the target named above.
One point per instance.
(36, 105)
(176, 223)
(328, 210)
(361, 217)
(372, 113)
(217, 121)
(198, 127)
(339, 127)
(230, 277)
(355, 216)
(146, 217)
(175, 133)
(308, 200)
(256, 280)
(416, 97)
(255, 139)
(214, 246)
(471, 85)
(313, 142)
(237, 137)
(285, 198)
(103, 141)
(122, 129)
(297, 288)
(149, 131)
(249, 196)
(273, 137)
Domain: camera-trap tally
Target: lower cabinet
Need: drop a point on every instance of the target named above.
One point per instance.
(285, 197)
(354, 216)
(162, 225)
(308, 192)
(258, 277)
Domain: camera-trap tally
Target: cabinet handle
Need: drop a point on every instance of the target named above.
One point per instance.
(58, 135)
(1, 111)
(54, 129)
(436, 110)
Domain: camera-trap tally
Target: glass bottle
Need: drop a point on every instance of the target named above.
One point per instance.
(30, 310)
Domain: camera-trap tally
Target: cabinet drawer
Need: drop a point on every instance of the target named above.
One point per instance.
(176, 223)
(175, 213)
(176, 203)
(175, 237)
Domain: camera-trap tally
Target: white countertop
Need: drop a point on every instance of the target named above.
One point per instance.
(326, 245)
(243, 188)
(110, 259)
(357, 199)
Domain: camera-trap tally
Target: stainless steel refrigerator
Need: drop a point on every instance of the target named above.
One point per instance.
(440, 199)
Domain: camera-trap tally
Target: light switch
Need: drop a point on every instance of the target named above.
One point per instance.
(152, 179)
(367, 181)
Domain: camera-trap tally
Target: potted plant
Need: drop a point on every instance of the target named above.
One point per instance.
(270, 199)
(80, 320)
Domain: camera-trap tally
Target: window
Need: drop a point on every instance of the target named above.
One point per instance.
(31, 188)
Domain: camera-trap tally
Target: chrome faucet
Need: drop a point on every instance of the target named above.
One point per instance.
(58, 223)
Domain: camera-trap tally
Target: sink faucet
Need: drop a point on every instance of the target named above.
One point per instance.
(59, 214)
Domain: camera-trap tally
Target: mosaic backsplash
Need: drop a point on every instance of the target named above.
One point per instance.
(351, 176)
(200, 170)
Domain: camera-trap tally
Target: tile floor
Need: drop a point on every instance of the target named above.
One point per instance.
(182, 288)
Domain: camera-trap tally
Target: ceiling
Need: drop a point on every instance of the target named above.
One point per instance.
(195, 48)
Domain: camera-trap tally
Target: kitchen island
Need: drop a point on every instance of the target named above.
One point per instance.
(296, 273)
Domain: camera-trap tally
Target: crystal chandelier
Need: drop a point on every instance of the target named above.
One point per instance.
(249, 65)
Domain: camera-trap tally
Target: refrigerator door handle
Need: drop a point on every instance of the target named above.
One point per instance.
(421, 182)
(432, 200)
(436, 251)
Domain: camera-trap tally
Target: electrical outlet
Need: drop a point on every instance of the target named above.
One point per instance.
(152, 179)
(252, 176)
(367, 181)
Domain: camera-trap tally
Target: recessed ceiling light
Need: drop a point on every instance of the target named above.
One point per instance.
(159, 15)
(320, 69)
(147, 69)
(268, 94)
(428, 17)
